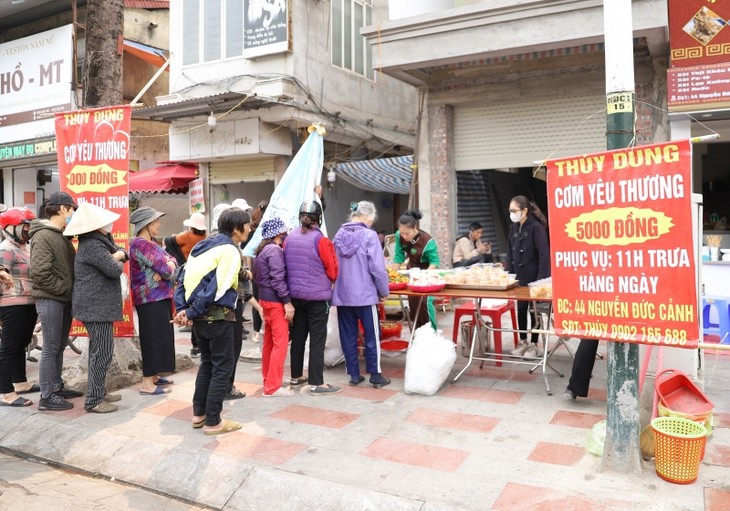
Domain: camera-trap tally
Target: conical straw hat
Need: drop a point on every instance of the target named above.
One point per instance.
(89, 218)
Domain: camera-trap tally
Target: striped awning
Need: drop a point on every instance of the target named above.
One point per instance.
(392, 175)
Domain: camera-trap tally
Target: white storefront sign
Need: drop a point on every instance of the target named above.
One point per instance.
(35, 76)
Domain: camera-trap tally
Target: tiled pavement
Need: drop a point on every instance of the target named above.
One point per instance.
(494, 440)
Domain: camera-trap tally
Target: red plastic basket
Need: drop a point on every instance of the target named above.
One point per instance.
(390, 331)
(397, 286)
(427, 289)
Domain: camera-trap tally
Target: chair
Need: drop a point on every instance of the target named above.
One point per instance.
(722, 327)
(492, 312)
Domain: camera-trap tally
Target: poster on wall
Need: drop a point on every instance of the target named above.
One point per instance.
(622, 256)
(93, 163)
(196, 199)
(266, 27)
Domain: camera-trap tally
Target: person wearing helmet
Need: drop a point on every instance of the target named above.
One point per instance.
(17, 308)
(311, 270)
(52, 273)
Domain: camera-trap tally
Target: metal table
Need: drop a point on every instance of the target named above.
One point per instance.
(520, 293)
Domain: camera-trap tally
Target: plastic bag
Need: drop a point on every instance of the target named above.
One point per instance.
(333, 349)
(596, 438)
(429, 361)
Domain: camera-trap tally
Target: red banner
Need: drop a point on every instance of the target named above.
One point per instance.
(623, 262)
(698, 33)
(93, 165)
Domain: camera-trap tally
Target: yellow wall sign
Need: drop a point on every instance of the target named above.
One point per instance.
(95, 178)
(620, 102)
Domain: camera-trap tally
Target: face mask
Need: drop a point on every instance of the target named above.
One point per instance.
(69, 217)
(515, 217)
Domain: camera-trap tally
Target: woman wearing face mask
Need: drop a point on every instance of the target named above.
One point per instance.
(52, 274)
(97, 295)
(17, 307)
(418, 249)
(529, 258)
(151, 272)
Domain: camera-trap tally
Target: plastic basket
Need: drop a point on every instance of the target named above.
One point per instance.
(704, 419)
(679, 445)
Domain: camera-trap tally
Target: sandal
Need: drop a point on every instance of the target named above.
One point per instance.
(301, 380)
(199, 424)
(18, 403)
(157, 392)
(226, 427)
(33, 388)
(163, 381)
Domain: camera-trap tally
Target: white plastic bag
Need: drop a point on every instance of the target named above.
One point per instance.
(333, 349)
(429, 361)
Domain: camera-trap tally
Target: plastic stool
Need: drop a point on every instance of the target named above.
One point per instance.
(494, 313)
(722, 328)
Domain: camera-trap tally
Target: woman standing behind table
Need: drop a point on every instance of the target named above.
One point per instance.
(151, 272)
(529, 258)
(269, 273)
(17, 308)
(418, 249)
(363, 282)
(97, 294)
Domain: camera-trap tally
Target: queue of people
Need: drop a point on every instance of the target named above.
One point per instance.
(201, 281)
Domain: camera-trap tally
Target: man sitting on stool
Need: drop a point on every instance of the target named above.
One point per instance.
(469, 248)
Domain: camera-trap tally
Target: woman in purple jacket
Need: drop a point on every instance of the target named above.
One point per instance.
(362, 284)
(269, 273)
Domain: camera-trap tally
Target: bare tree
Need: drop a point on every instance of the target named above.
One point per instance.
(104, 43)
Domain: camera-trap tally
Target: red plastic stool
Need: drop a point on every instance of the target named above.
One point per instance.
(495, 314)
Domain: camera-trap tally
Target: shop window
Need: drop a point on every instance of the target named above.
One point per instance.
(349, 48)
(213, 30)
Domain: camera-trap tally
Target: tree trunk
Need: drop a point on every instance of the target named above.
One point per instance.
(104, 38)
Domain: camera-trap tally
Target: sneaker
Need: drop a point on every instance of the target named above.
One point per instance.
(194, 353)
(321, 390)
(378, 380)
(530, 351)
(569, 395)
(112, 398)
(520, 350)
(103, 407)
(68, 393)
(54, 403)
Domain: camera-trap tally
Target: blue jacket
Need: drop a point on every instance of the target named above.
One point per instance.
(210, 277)
(363, 278)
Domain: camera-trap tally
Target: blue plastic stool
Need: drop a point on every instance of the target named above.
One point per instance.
(722, 328)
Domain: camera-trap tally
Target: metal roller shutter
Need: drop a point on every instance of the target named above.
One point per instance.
(240, 171)
(516, 134)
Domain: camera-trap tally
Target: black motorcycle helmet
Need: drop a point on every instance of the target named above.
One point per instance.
(311, 209)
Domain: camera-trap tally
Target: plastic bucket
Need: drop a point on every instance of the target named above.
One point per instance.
(679, 445)
(467, 334)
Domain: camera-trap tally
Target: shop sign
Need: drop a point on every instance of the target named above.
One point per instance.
(93, 163)
(691, 87)
(35, 76)
(27, 149)
(622, 252)
(266, 27)
(195, 196)
(698, 33)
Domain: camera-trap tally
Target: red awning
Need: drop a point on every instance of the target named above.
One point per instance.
(168, 178)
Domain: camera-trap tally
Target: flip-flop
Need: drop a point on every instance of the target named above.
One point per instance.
(301, 380)
(157, 392)
(18, 403)
(227, 427)
(164, 381)
(199, 424)
(33, 388)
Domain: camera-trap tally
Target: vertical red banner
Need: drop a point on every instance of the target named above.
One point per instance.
(93, 166)
(623, 256)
